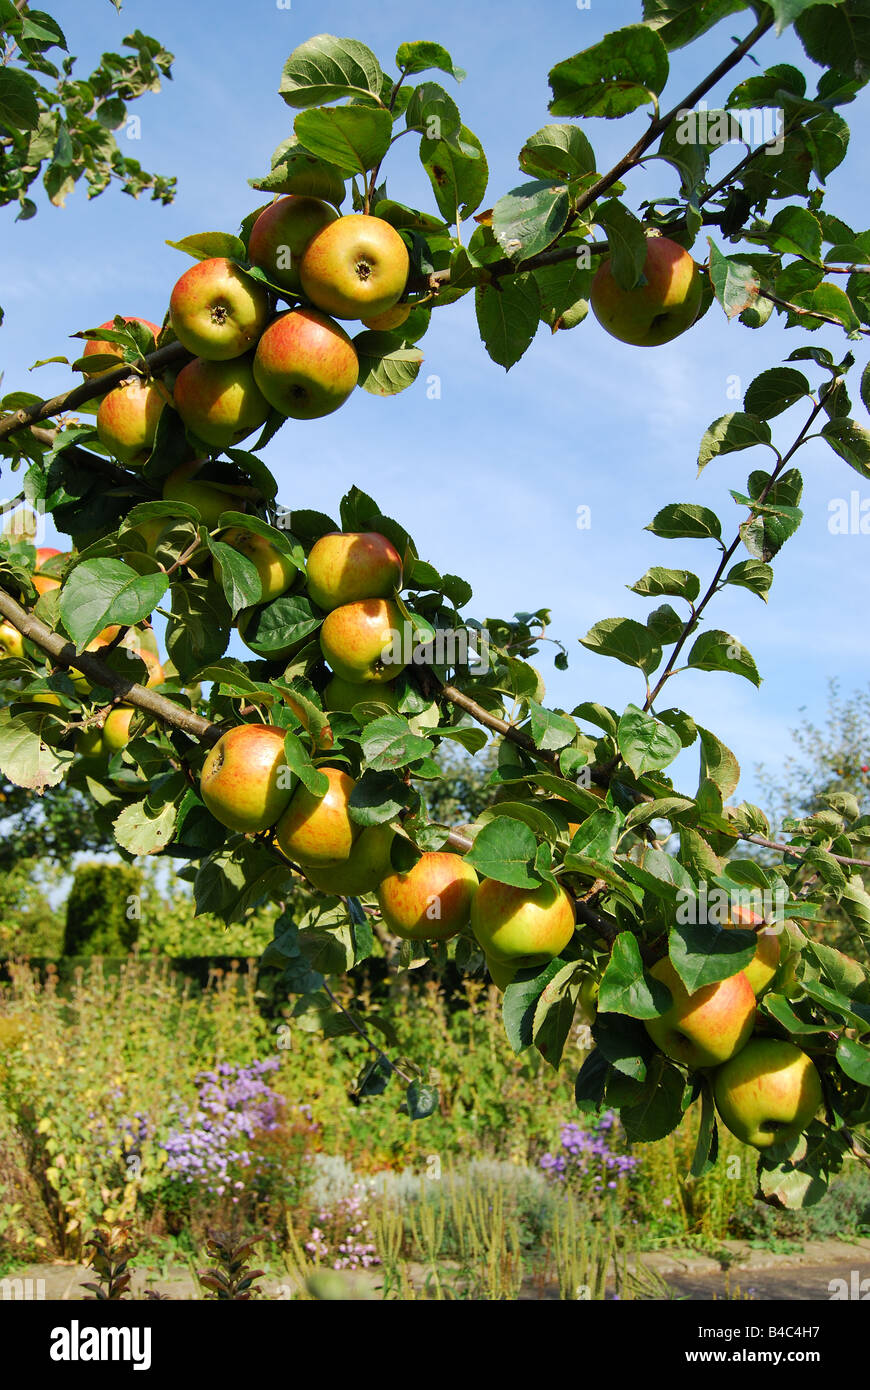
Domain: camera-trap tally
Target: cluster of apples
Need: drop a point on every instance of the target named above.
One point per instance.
(248, 360)
(766, 1089)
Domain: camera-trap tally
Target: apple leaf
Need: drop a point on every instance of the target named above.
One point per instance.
(530, 218)
(557, 152)
(550, 730)
(433, 112)
(736, 284)
(422, 54)
(675, 583)
(237, 877)
(530, 814)
(626, 988)
(707, 1147)
(19, 109)
(387, 364)
(102, 592)
(781, 1009)
(591, 1081)
(199, 629)
(718, 763)
(420, 1100)
(851, 441)
(686, 520)
(238, 576)
(853, 1058)
(730, 433)
(139, 831)
(626, 640)
(353, 138)
(326, 68)
(507, 317)
(627, 244)
(379, 797)
(705, 954)
(505, 850)
(281, 625)
(389, 743)
(660, 1110)
(791, 1185)
(300, 172)
(754, 575)
(645, 744)
(458, 179)
(787, 11)
(719, 651)
(25, 759)
(678, 22)
(612, 78)
(519, 1007)
(204, 245)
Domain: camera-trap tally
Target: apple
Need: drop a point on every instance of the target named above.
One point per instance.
(241, 781)
(341, 695)
(305, 364)
(276, 570)
(89, 743)
(127, 419)
(521, 926)
(765, 963)
(95, 348)
(768, 1093)
(281, 233)
(42, 583)
(393, 318)
(210, 499)
(432, 900)
(366, 865)
(133, 641)
(316, 831)
(116, 729)
(357, 267)
(707, 1027)
(11, 641)
(346, 566)
(217, 311)
(355, 637)
(501, 975)
(220, 401)
(657, 311)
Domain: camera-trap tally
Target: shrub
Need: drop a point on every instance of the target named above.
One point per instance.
(102, 910)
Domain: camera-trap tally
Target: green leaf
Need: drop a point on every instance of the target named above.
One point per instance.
(645, 744)
(238, 576)
(353, 138)
(718, 763)
(707, 1146)
(705, 954)
(237, 877)
(279, 628)
(139, 831)
(626, 640)
(300, 764)
(678, 22)
(730, 433)
(774, 391)
(387, 364)
(326, 68)
(378, 797)
(199, 630)
(507, 317)
(661, 808)
(736, 284)
(853, 1058)
(719, 651)
(389, 743)
(421, 1101)
(613, 77)
(520, 1003)
(554, 1014)
(787, 11)
(686, 520)
(298, 171)
(25, 759)
(827, 299)
(557, 152)
(433, 112)
(791, 1186)
(530, 218)
(754, 575)
(204, 245)
(18, 106)
(458, 180)
(677, 583)
(549, 729)
(505, 850)
(626, 988)
(422, 54)
(851, 441)
(660, 1110)
(590, 1082)
(627, 243)
(795, 231)
(103, 592)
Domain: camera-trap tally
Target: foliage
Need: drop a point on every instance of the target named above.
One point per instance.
(102, 910)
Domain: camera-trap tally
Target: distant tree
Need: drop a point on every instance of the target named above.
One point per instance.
(830, 759)
(100, 920)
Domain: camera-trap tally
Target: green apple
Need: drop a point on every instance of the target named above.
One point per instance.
(344, 567)
(127, 419)
(768, 1093)
(521, 926)
(220, 401)
(11, 641)
(217, 311)
(706, 1027)
(355, 268)
(765, 963)
(305, 365)
(358, 641)
(282, 232)
(116, 729)
(95, 348)
(366, 865)
(657, 311)
(245, 782)
(501, 975)
(90, 744)
(317, 830)
(210, 499)
(341, 695)
(276, 570)
(432, 900)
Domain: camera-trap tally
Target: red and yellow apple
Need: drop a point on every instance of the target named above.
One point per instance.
(305, 364)
(706, 1027)
(390, 320)
(245, 782)
(432, 900)
(366, 865)
(765, 963)
(317, 831)
(276, 570)
(357, 267)
(346, 566)
(282, 232)
(11, 641)
(521, 926)
(359, 641)
(42, 583)
(768, 1093)
(657, 311)
(217, 311)
(127, 419)
(220, 401)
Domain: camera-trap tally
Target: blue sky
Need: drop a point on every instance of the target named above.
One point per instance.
(489, 477)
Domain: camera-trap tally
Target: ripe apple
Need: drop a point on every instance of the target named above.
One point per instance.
(658, 311)
(42, 583)
(281, 233)
(216, 311)
(768, 1093)
(276, 570)
(704, 1028)
(356, 267)
(432, 901)
(344, 567)
(127, 419)
(11, 640)
(220, 401)
(341, 695)
(521, 926)
(317, 831)
(116, 729)
(95, 348)
(366, 865)
(765, 963)
(305, 364)
(210, 499)
(243, 778)
(89, 743)
(355, 637)
(393, 318)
